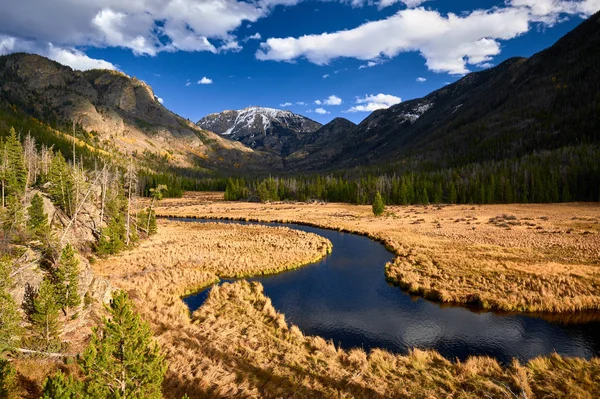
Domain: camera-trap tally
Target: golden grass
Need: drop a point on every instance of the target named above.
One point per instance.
(533, 258)
(238, 345)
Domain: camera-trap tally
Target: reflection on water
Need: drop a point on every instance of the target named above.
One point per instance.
(345, 298)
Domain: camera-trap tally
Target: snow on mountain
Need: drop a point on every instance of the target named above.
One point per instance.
(261, 128)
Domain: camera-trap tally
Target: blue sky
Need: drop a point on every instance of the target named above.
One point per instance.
(352, 56)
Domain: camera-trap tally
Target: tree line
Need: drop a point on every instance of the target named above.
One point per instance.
(563, 175)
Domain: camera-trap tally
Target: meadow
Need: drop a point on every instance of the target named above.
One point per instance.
(238, 345)
(522, 257)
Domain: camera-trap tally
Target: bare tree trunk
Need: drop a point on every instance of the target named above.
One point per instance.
(103, 184)
(130, 173)
(149, 215)
(79, 207)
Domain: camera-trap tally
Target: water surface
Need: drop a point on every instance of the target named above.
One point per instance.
(346, 298)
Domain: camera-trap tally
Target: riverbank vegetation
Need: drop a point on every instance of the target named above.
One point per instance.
(530, 258)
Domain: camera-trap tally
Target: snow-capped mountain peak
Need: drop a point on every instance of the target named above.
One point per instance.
(260, 127)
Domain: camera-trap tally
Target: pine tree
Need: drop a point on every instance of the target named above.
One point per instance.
(378, 205)
(152, 226)
(37, 225)
(8, 379)
(9, 317)
(114, 234)
(15, 174)
(157, 195)
(121, 360)
(452, 196)
(66, 280)
(62, 188)
(12, 218)
(423, 197)
(263, 192)
(60, 386)
(46, 327)
(403, 195)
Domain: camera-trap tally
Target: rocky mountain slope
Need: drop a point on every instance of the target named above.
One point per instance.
(548, 101)
(317, 150)
(277, 131)
(122, 113)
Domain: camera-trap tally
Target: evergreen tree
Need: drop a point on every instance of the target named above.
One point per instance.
(12, 217)
(8, 379)
(437, 193)
(157, 194)
(114, 234)
(378, 205)
(60, 386)
(37, 225)
(15, 174)
(423, 197)
(452, 196)
(121, 360)
(62, 184)
(46, 327)
(9, 317)
(149, 222)
(403, 195)
(263, 192)
(152, 226)
(66, 280)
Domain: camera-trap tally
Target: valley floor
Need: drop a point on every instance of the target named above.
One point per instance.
(506, 257)
(237, 345)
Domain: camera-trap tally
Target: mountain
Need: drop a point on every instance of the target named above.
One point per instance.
(523, 105)
(261, 128)
(317, 150)
(121, 114)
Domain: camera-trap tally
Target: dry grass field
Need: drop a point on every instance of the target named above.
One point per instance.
(533, 258)
(237, 345)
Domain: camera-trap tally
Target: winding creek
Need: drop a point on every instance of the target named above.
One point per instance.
(346, 298)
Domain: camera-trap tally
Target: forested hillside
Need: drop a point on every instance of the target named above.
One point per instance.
(57, 215)
(117, 113)
(546, 102)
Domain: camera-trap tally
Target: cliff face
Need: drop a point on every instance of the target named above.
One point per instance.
(122, 112)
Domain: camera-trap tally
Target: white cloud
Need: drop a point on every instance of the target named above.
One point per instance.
(332, 100)
(408, 3)
(230, 45)
(76, 59)
(160, 100)
(318, 102)
(486, 65)
(188, 83)
(421, 80)
(146, 27)
(370, 64)
(205, 81)
(286, 104)
(326, 76)
(322, 111)
(66, 56)
(550, 11)
(370, 103)
(449, 43)
(255, 36)
(300, 103)
(7, 44)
